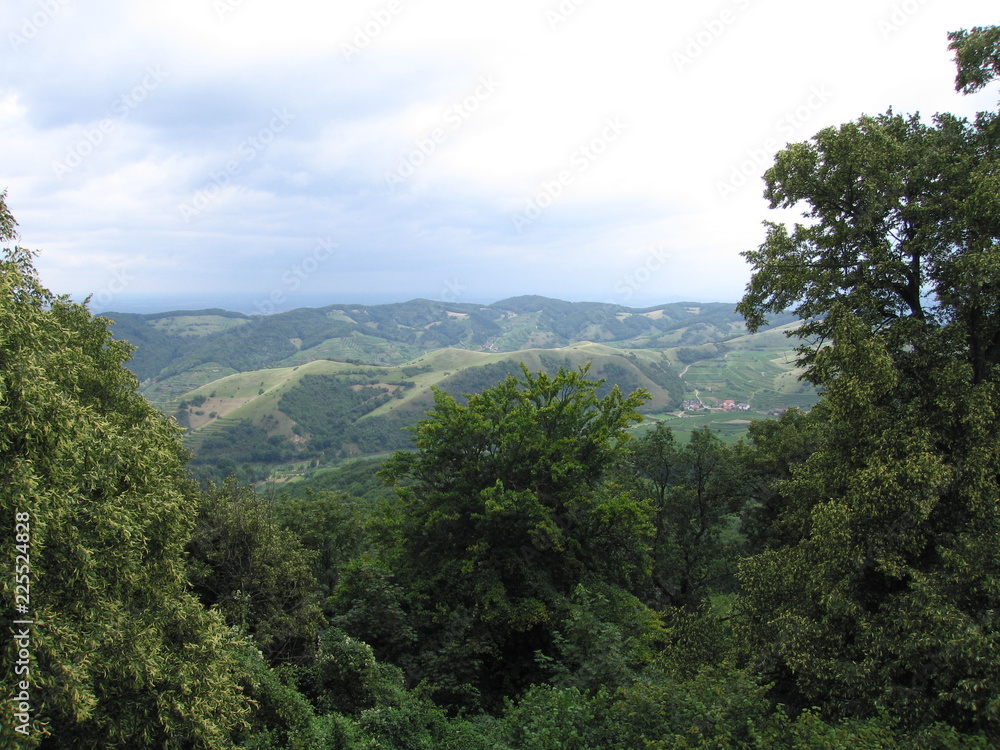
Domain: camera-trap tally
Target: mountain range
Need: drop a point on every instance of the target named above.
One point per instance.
(292, 392)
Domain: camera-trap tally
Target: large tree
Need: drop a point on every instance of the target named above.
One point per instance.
(901, 233)
(694, 500)
(877, 587)
(122, 655)
(504, 513)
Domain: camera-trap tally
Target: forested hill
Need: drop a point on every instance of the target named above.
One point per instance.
(171, 343)
(268, 395)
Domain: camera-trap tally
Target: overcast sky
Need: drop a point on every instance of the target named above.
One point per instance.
(261, 155)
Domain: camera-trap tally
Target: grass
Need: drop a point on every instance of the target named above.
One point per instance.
(165, 394)
(196, 325)
(727, 427)
(357, 347)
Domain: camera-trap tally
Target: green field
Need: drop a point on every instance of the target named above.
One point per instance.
(674, 352)
(724, 424)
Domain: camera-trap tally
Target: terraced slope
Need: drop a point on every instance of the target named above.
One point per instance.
(313, 386)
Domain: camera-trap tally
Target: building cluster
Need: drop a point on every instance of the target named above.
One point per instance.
(730, 405)
(693, 404)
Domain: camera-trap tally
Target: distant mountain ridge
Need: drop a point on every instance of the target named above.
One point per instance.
(169, 343)
(286, 394)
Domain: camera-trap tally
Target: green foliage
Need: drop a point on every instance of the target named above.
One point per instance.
(493, 531)
(243, 443)
(694, 501)
(689, 354)
(605, 638)
(901, 235)
(122, 654)
(355, 478)
(331, 526)
(551, 718)
(764, 463)
(283, 718)
(875, 587)
(369, 603)
(977, 55)
(325, 406)
(255, 572)
(345, 678)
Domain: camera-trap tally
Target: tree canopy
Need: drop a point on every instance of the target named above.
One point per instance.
(122, 654)
(875, 588)
(502, 514)
(902, 233)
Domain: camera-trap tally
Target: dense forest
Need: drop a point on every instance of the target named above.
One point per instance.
(535, 577)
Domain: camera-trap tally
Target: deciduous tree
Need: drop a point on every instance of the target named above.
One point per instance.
(878, 591)
(122, 655)
(506, 514)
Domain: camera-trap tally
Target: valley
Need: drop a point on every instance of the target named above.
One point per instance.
(283, 396)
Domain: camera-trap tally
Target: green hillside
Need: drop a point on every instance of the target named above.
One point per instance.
(170, 344)
(285, 394)
(285, 421)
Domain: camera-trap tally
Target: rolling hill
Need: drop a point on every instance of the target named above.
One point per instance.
(288, 393)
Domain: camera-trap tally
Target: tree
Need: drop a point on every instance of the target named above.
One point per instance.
(898, 238)
(121, 654)
(505, 515)
(977, 55)
(694, 503)
(875, 589)
(331, 525)
(764, 462)
(255, 572)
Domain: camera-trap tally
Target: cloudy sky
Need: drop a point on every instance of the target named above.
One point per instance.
(262, 155)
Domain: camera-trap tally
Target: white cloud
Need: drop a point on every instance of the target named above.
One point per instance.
(704, 94)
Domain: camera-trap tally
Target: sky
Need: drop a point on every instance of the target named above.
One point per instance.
(260, 156)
